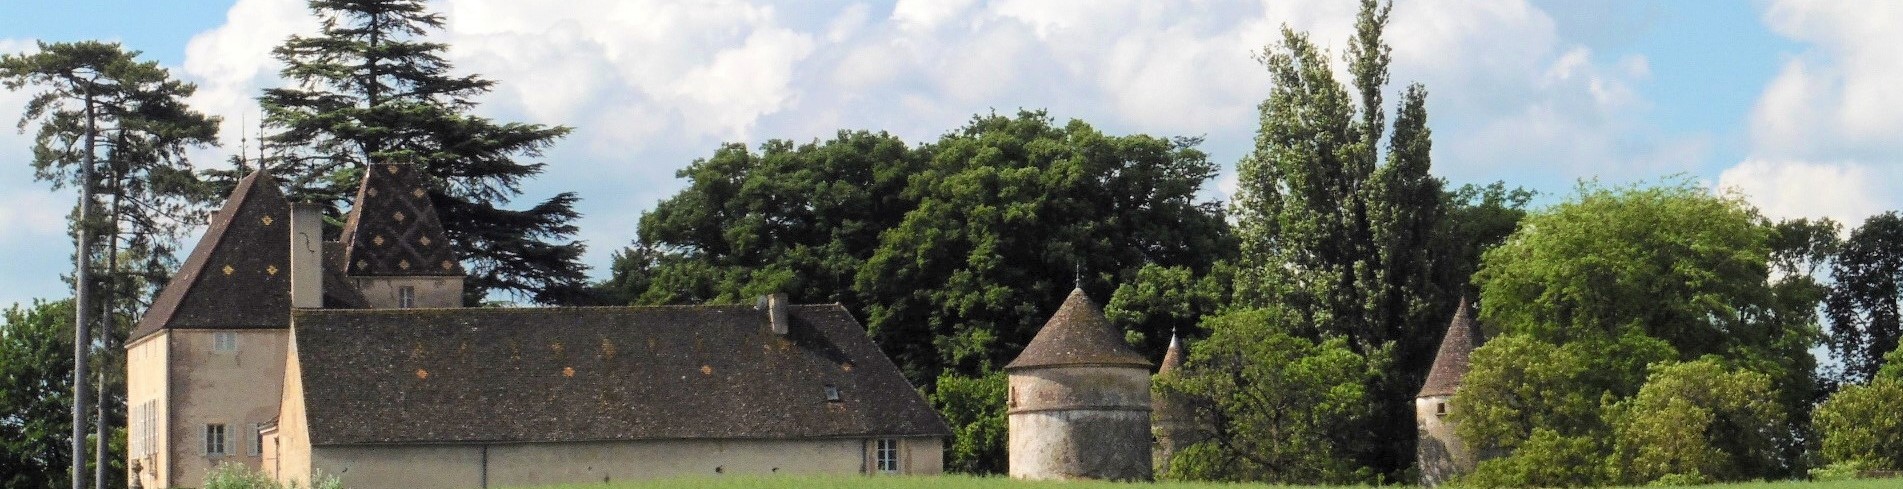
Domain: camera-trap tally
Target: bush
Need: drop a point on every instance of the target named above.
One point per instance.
(237, 476)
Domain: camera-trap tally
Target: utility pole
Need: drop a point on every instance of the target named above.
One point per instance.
(82, 285)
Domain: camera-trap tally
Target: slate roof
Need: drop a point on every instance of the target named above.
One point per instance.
(603, 373)
(1450, 364)
(393, 228)
(238, 276)
(1078, 334)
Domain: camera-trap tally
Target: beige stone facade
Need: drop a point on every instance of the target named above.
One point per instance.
(424, 291)
(470, 466)
(211, 391)
(1442, 456)
(1080, 422)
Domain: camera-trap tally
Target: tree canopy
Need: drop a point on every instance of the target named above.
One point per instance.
(1592, 304)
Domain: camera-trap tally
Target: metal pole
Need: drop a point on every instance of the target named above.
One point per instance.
(82, 307)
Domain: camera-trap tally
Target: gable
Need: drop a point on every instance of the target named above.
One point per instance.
(393, 228)
(238, 275)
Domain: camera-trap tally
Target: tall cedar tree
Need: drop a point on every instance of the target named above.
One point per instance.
(1336, 235)
(367, 89)
(99, 97)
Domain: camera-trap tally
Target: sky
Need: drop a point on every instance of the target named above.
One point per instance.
(1791, 103)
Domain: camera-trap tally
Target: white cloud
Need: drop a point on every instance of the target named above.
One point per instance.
(232, 64)
(1846, 192)
(1824, 130)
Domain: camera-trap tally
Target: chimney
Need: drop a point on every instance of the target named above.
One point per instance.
(307, 255)
(776, 312)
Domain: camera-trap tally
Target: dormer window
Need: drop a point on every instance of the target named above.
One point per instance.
(405, 297)
(832, 393)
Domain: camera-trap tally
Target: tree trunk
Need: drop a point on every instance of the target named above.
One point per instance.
(82, 308)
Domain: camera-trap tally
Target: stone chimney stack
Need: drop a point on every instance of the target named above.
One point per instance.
(307, 255)
(776, 313)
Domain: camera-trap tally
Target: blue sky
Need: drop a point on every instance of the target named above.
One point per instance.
(1786, 101)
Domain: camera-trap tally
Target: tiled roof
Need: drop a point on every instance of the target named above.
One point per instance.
(1173, 357)
(238, 276)
(1450, 364)
(393, 228)
(610, 373)
(1078, 334)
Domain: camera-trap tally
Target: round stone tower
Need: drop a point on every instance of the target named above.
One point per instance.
(1171, 423)
(1079, 400)
(1441, 454)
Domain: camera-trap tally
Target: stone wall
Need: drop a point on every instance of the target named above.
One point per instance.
(1080, 422)
(470, 466)
(1440, 453)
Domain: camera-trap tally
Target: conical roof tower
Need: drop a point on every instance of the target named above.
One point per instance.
(1450, 364)
(1078, 334)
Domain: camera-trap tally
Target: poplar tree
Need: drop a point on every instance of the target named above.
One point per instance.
(1340, 236)
(367, 88)
(1865, 305)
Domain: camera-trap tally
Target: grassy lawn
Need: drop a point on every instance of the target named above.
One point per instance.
(962, 482)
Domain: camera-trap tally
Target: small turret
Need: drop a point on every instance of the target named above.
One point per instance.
(395, 250)
(1170, 419)
(1441, 454)
(1079, 400)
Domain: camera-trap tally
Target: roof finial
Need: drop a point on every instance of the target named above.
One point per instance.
(1080, 274)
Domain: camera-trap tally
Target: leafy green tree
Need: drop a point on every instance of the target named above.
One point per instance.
(1168, 300)
(974, 407)
(1519, 385)
(1343, 236)
(1546, 459)
(368, 89)
(799, 219)
(36, 389)
(1628, 277)
(1866, 304)
(1698, 421)
(1859, 425)
(1012, 213)
(1272, 406)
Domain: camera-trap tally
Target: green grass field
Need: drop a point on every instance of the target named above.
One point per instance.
(961, 482)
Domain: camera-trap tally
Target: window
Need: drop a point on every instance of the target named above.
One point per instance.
(136, 430)
(886, 454)
(832, 393)
(405, 297)
(151, 428)
(1440, 408)
(224, 342)
(214, 439)
(257, 440)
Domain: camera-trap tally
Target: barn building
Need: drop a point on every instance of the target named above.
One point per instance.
(275, 349)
